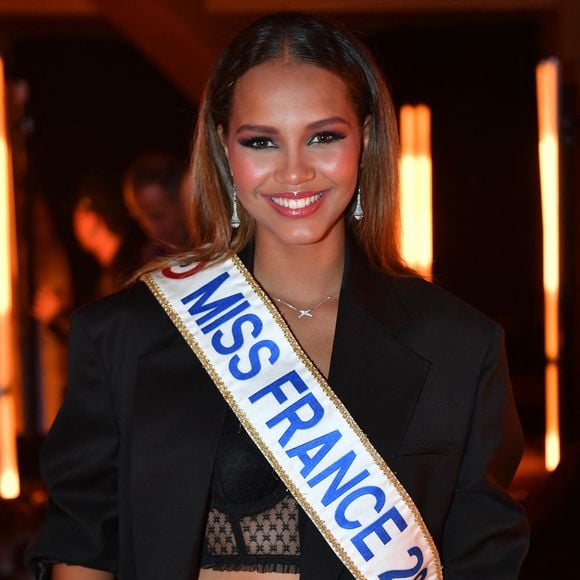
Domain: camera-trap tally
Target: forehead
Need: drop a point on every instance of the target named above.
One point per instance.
(279, 91)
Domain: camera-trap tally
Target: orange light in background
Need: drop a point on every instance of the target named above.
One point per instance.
(416, 188)
(547, 91)
(9, 479)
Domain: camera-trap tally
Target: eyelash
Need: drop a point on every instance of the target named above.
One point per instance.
(325, 137)
(262, 143)
(258, 143)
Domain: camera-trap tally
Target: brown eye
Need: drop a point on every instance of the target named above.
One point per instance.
(257, 143)
(326, 137)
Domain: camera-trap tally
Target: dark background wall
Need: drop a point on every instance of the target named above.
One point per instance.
(478, 77)
(95, 104)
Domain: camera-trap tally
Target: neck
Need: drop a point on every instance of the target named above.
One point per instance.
(300, 274)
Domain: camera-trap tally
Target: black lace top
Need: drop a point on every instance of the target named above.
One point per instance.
(253, 522)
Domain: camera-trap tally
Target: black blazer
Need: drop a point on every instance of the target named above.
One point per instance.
(128, 462)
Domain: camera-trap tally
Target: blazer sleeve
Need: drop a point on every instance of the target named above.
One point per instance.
(79, 467)
(485, 534)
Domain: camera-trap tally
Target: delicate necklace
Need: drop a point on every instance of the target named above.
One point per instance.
(305, 312)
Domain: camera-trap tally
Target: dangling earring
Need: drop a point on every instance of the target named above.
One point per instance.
(358, 210)
(235, 219)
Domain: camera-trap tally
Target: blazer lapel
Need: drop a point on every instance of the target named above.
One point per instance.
(176, 427)
(378, 379)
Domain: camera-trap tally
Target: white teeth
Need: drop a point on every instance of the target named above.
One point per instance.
(296, 203)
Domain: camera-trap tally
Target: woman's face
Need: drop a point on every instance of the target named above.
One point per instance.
(294, 145)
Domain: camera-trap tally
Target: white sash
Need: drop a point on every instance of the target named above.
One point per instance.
(297, 421)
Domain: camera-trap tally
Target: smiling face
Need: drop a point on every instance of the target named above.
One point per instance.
(294, 143)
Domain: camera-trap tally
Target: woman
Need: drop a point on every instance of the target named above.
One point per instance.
(151, 475)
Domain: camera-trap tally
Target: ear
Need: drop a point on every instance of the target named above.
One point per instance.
(222, 138)
(366, 131)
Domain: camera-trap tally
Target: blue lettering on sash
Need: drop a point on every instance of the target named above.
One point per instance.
(324, 442)
(237, 334)
(342, 465)
(255, 362)
(215, 308)
(275, 388)
(291, 414)
(340, 515)
(225, 317)
(410, 573)
(302, 414)
(377, 528)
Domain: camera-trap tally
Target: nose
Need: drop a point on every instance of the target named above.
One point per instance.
(294, 168)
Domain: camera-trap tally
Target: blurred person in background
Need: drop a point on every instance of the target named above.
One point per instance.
(152, 194)
(103, 229)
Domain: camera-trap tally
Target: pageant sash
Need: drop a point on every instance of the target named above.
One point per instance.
(296, 420)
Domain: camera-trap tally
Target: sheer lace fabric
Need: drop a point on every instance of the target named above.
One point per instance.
(265, 542)
(253, 522)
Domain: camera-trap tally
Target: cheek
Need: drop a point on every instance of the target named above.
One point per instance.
(249, 171)
(342, 168)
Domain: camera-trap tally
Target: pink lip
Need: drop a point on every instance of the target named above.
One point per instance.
(298, 212)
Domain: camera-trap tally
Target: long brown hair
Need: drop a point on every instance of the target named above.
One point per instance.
(313, 40)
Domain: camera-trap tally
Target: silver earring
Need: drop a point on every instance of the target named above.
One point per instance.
(235, 220)
(358, 210)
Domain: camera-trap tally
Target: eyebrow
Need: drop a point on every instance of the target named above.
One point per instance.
(310, 126)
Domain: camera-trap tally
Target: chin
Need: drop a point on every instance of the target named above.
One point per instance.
(305, 236)
(301, 232)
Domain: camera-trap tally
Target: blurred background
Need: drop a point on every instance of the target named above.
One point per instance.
(101, 97)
